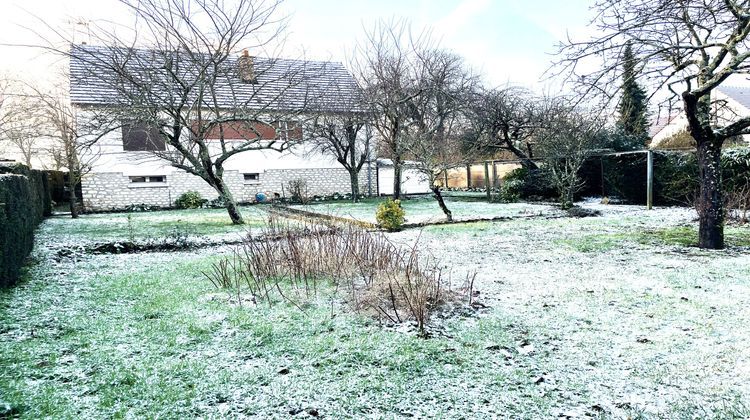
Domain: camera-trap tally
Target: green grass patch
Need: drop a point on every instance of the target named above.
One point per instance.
(596, 243)
(112, 339)
(688, 236)
(684, 236)
(152, 225)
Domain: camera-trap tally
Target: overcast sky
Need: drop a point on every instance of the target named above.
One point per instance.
(509, 41)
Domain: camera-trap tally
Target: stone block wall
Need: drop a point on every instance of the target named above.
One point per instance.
(113, 190)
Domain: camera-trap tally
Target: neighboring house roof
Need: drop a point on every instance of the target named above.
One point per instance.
(660, 123)
(741, 95)
(282, 84)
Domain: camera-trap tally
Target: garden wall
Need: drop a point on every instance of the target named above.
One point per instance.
(24, 201)
(104, 191)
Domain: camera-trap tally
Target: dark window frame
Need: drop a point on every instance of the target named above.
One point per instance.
(138, 136)
(148, 179)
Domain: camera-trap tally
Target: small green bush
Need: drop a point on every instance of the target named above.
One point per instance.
(522, 183)
(510, 190)
(189, 200)
(390, 215)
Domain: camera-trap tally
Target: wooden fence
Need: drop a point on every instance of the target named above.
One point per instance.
(478, 175)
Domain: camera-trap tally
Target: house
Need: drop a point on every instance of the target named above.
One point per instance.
(729, 102)
(128, 165)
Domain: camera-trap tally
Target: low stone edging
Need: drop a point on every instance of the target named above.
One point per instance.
(285, 211)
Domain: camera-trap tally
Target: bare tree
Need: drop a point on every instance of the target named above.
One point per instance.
(567, 137)
(437, 116)
(188, 90)
(343, 136)
(72, 139)
(21, 138)
(689, 49)
(506, 119)
(384, 64)
(20, 121)
(5, 101)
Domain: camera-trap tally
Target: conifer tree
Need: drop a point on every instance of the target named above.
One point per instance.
(633, 109)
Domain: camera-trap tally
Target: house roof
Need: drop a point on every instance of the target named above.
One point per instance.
(659, 124)
(282, 84)
(738, 93)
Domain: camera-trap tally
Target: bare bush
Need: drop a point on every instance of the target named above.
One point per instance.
(371, 274)
(299, 191)
(737, 203)
(225, 275)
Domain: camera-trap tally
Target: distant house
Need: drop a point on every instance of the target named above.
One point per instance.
(729, 102)
(126, 170)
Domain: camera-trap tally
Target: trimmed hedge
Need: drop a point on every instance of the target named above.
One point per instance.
(675, 176)
(24, 201)
(624, 177)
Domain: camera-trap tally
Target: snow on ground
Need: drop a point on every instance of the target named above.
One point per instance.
(634, 325)
(604, 317)
(425, 209)
(194, 225)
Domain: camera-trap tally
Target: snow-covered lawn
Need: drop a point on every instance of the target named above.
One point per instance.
(609, 316)
(141, 226)
(622, 315)
(424, 209)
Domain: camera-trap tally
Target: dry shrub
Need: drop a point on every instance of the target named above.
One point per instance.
(299, 191)
(737, 203)
(367, 270)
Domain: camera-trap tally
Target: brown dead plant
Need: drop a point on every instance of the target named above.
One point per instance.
(367, 272)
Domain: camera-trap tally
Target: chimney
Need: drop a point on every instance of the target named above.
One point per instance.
(246, 68)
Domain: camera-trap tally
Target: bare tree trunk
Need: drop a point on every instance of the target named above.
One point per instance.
(27, 158)
(72, 196)
(74, 173)
(441, 202)
(710, 201)
(353, 168)
(396, 180)
(526, 161)
(566, 200)
(354, 179)
(229, 203)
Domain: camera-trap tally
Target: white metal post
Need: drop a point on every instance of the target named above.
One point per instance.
(650, 180)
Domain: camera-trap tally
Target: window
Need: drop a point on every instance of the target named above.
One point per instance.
(140, 137)
(252, 178)
(148, 179)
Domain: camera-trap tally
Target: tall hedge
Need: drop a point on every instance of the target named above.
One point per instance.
(675, 176)
(24, 202)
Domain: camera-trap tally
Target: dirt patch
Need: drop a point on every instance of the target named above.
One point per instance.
(131, 247)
